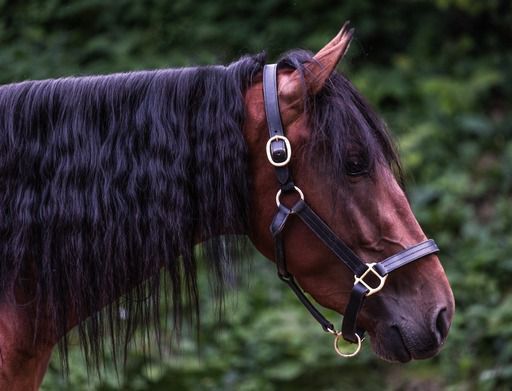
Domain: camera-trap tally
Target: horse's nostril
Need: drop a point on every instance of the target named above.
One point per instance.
(442, 324)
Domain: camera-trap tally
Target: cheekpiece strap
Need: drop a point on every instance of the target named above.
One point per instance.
(279, 151)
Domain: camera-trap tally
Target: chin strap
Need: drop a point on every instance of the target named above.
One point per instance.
(279, 153)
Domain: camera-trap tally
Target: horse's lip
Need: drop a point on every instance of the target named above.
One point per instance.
(405, 349)
(396, 351)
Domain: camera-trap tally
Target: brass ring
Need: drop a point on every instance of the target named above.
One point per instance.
(299, 191)
(342, 354)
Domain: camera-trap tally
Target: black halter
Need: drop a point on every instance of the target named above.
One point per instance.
(279, 154)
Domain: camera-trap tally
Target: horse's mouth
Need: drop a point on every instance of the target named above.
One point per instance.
(394, 346)
(403, 353)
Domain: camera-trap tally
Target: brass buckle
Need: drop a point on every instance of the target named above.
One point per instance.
(371, 290)
(288, 151)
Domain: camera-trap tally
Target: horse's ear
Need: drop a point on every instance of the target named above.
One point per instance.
(291, 86)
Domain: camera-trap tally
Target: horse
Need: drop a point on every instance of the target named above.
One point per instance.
(106, 181)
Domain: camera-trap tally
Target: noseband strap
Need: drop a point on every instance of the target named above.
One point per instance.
(279, 154)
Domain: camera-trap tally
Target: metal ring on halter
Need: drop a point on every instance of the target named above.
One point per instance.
(346, 355)
(288, 151)
(299, 191)
(371, 290)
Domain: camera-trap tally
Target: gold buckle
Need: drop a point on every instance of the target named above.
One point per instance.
(288, 151)
(371, 290)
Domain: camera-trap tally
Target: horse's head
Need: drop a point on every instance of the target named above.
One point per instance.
(346, 165)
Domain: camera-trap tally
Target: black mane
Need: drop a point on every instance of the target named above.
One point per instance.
(106, 179)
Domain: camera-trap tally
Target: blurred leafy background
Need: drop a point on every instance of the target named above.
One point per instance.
(439, 71)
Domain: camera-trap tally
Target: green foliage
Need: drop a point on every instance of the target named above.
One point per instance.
(440, 73)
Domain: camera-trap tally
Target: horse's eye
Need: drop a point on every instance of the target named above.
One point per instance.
(356, 166)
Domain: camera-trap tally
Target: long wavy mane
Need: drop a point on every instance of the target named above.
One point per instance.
(105, 180)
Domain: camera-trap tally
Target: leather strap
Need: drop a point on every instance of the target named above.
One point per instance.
(408, 255)
(274, 123)
(276, 229)
(329, 238)
(349, 327)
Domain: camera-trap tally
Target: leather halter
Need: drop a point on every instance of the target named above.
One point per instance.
(279, 154)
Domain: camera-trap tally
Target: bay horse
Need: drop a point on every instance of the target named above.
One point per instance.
(106, 180)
